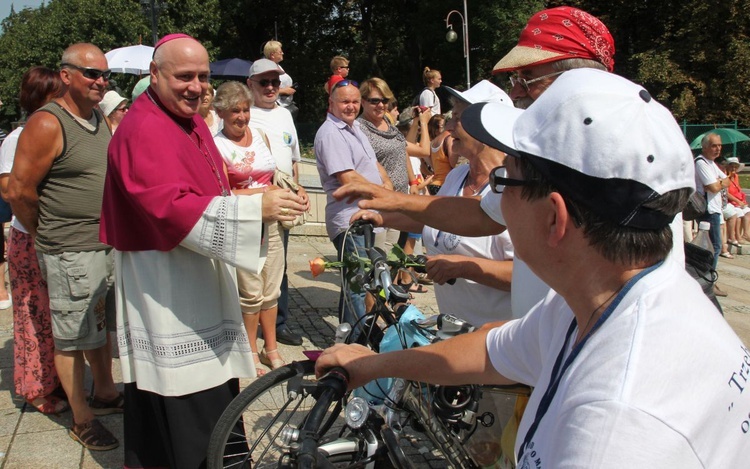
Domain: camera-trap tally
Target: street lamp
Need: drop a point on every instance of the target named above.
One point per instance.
(153, 8)
(452, 36)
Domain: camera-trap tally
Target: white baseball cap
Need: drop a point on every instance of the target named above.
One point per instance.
(483, 92)
(602, 141)
(263, 66)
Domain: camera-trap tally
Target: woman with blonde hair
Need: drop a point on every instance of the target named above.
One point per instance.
(391, 148)
(272, 51)
(428, 98)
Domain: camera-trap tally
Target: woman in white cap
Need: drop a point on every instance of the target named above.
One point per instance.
(114, 107)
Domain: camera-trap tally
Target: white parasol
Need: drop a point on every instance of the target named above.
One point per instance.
(131, 59)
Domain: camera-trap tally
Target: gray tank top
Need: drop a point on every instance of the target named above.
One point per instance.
(70, 196)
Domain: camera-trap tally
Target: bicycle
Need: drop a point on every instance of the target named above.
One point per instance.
(287, 418)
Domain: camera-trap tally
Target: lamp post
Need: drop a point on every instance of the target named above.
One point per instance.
(452, 36)
(153, 8)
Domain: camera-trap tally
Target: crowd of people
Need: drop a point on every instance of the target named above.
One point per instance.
(561, 235)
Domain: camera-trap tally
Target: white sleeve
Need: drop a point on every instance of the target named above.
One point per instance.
(8, 151)
(490, 203)
(231, 229)
(705, 174)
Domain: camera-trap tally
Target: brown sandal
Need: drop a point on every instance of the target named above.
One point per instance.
(100, 407)
(93, 436)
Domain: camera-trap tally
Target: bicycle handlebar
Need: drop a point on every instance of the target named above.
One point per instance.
(331, 387)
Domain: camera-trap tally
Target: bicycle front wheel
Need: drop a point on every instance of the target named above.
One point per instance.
(247, 434)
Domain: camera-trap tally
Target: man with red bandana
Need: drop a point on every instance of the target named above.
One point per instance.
(553, 41)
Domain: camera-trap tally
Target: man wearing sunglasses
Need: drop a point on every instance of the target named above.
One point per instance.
(55, 189)
(344, 155)
(631, 365)
(277, 123)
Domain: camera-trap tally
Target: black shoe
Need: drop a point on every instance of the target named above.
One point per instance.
(287, 337)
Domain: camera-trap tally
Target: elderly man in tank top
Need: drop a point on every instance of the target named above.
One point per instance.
(55, 189)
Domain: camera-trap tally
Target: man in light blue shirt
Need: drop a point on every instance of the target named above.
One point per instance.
(344, 155)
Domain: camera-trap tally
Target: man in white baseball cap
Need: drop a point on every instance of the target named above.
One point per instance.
(600, 169)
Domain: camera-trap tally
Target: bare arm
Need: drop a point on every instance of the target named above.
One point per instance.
(4, 186)
(394, 220)
(460, 215)
(460, 360)
(422, 149)
(488, 272)
(718, 185)
(38, 145)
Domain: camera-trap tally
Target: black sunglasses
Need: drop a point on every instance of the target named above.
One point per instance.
(498, 180)
(90, 73)
(376, 101)
(275, 82)
(345, 83)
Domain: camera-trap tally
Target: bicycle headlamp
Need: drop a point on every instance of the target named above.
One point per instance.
(356, 412)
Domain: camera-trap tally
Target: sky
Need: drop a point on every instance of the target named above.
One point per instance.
(18, 5)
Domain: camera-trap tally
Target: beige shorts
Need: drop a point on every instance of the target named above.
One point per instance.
(81, 297)
(261, 291)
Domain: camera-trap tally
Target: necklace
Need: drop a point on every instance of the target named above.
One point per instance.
(477, 187)
(593, 313)
(206, 154)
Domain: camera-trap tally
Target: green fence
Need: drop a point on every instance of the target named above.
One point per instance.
(740, 150)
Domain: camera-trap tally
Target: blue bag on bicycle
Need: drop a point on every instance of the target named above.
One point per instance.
(400, 336)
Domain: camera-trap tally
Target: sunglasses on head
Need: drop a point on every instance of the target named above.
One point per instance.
(90, 73)
(275, 82)
(345, 83)
(376, 101)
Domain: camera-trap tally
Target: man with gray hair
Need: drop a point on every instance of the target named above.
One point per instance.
(710, 181)
(55, 189)
(182, 340)
(277, 123)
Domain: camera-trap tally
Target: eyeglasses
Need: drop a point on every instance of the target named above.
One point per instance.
(515, 80)
(341, 83)
(376, 101)
(275, 82)
(498, 180)
(90, 73)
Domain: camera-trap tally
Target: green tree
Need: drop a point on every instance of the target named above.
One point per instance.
(38, 37)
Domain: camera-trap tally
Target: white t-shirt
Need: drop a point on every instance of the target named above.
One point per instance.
(467, 299)
(430, 99)
(707, 172)
(660, 384)
(526, 288)
(248, 167)
(286, 82)
(7, 156)
(279, 127)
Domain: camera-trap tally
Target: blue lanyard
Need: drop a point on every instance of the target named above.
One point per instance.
(458, 193)
(558, 372)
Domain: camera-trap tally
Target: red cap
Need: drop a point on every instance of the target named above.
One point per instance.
(557, 34)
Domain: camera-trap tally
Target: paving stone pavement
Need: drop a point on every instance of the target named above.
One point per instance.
(29, 439)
